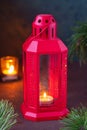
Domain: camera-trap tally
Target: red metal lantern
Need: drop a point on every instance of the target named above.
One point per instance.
(45, 72)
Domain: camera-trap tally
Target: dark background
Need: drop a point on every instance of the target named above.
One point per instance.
(16, 17)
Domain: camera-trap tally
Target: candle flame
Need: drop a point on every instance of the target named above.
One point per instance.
(44, 94)
(11, 69)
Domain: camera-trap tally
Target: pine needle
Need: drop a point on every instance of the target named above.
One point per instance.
(7, 115)
(76, 119)
(78, 43)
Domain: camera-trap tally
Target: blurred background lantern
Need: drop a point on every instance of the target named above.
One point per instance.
(45, 72)
(9, 68)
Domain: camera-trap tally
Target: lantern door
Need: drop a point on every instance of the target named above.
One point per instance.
(49, 81)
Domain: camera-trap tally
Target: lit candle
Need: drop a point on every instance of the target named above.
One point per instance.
(10, 69)
(46, 99)
(9, 65)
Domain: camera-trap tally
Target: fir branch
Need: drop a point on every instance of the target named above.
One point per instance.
(78, 43)
(7, 115)
(76, 119)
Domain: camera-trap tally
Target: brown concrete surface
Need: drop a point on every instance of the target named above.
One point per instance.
(77, 93)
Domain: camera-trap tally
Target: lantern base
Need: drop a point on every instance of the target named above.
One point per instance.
(7, 78)
(42, 116)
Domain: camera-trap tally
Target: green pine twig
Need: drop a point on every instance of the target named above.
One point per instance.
(76, 119)
(78, 43)
(7, 115)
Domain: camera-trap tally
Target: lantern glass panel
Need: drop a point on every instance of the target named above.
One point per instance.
(48, 87)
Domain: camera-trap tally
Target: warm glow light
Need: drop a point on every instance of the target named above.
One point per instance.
(9, 66)
(46, 99)
(44, 94)
(11, 69)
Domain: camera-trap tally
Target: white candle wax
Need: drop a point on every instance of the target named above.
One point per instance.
(46, 99)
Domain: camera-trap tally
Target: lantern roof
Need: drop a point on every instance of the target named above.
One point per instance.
(43, 38)
(46, 46)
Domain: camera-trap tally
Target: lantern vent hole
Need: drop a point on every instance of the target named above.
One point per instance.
(40, 32)
(46, 33)
(39, 21)
(52, 32)
(46, 21)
